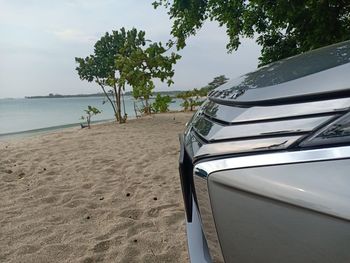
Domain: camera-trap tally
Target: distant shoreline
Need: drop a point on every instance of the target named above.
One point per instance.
(172, 94)
(22, 116)
(33, 132)
(26, 133)
(55, 96)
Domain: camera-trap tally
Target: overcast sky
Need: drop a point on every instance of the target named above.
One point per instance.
(39, 40)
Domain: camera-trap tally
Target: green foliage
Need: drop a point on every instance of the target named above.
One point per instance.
(284, 28)
(90, 111)
(161, 103)
(145, 64)
(191, 99)
(100, 66)
(124, 57)
(144, 93)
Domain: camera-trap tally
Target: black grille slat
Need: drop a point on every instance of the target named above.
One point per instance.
(210, 131)
(227, 115)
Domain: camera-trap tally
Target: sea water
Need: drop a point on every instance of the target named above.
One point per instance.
(30, 115)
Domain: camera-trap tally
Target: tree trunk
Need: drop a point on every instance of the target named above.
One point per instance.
(88, 119)
(122, 118)
(117, 101)
(120, 109)
(147, 109)
(107, 96)
(125, 114)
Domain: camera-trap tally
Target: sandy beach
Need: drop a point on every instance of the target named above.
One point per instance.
(106, 194)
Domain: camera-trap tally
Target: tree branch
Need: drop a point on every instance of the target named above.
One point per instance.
(106, 94)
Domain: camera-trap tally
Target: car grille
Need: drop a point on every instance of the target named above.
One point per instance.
(218, 129)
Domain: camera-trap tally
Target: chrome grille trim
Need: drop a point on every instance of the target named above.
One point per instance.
(258, 113)
(271, 159)
(207, 219)
(203, 169)
(197, 244)
(253, 145)
(219, 132)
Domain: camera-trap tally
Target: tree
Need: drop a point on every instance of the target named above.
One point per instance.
(185, 97)
(90, 111)
(123, 58)
(100, 67)
(190, 99)
(161, 103)
(144, 93)
(144, 65)
(284, 28)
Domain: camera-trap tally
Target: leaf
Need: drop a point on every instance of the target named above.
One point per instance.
(283, 28)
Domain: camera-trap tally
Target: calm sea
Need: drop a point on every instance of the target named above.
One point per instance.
(35, 115)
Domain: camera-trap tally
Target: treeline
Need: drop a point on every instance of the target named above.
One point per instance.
(172, 94)
(190, 98)
(51, 95)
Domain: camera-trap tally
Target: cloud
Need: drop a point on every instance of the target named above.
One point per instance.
(75, 36)
(49, 34)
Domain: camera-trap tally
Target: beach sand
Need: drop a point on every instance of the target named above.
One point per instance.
(106, 194)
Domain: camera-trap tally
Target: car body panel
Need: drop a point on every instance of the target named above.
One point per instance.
(315, 185)
(196, 241)
(258, 229)
(287, 181)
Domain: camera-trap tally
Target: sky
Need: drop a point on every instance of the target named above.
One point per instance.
(40, 39)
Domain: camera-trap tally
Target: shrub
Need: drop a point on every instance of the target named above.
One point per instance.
(161, 103)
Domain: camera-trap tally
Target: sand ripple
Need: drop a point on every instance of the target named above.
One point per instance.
(109, 194)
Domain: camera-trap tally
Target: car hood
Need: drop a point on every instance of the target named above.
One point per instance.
(309, 76)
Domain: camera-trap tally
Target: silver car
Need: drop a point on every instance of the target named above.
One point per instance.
(264, 164)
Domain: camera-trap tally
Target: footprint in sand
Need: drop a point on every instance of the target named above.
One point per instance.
(87, 186)
(28, 249)
(75, 203)
(93, 259)
(154, 211)
(135, 229)
(102, 246)
(50, 199)
(132, 213)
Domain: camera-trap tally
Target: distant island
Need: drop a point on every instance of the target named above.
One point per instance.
(53, 96)
(172, 94)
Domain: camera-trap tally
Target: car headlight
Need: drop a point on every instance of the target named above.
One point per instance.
(337, 132)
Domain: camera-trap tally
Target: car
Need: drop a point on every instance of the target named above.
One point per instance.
(265, 164)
